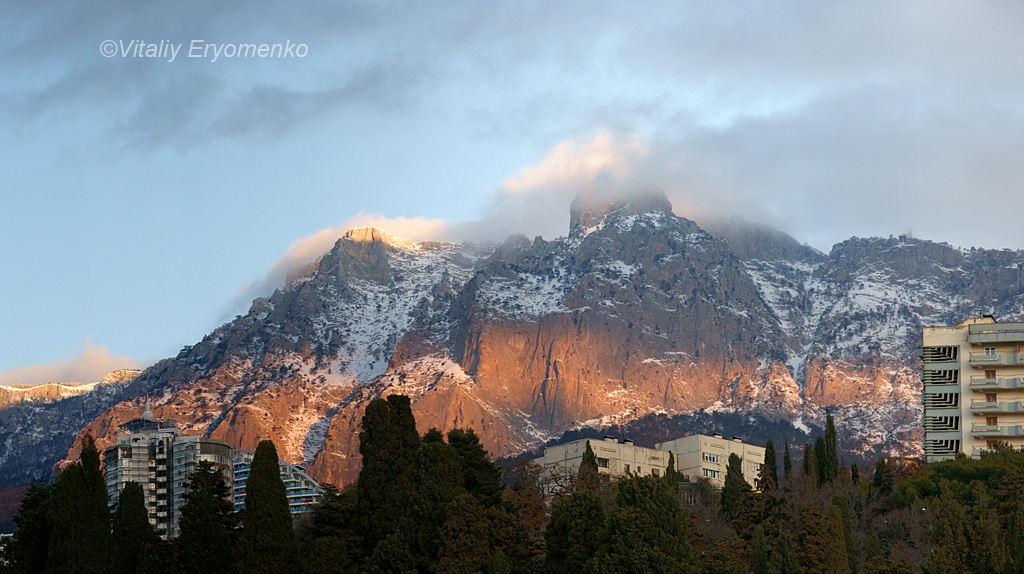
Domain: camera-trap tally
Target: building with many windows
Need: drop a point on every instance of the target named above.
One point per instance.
(972, 387)
(696, 456)
(302, 491)
(156, 455)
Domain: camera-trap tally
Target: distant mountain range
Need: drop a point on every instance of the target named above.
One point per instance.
(638, 319)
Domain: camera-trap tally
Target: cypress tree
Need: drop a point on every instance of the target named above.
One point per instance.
(787, 462)
(25, 552)
(80, 540)
(671, 474)
(855, 473)
(882, 478)
(783, 558)
(131, 529)
(769, 470)
(207, 523)
(759, 551)
(841, 505)
(588, 477)
(809, 470)
(388, 444)
(821, 458)
(481, 477)
(735, 487)
(814, 542)
(831, 450)
(837, 559)
(570, 536)
(949, 537)
(267, 542)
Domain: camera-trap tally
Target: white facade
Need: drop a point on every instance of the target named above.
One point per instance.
(701, 456)
(972, 387)
(302, 491)
(614, 458)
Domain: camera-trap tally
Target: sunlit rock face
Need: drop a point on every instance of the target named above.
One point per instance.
(637, 316)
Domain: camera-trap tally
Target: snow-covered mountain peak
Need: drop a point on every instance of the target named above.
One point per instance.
(378, 235)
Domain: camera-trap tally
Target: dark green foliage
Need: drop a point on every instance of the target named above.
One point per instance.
(821, 459)
(735, 487)
(759, 551)
(830, 468)
(525, 496)
(841, 506)
(729, 556)
(837, 559)
(267, 541)
(787, 462)
(207, 523)
(480, 477)
(855, 474)
(770, 468)
(671, 474)
(80, 539)
(809, 470)
(882, 480)
(131, 530)
(949, 537)
(335, 541)
(570, 534)
(646, 530)
(25, 553)
(588, 478)
(388, 444)
(814, 540)
(879, 565)
(783, 558)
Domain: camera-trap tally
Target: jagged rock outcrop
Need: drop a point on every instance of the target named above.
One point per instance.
(636, 316)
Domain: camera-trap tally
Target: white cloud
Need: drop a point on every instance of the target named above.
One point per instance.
(91, 365)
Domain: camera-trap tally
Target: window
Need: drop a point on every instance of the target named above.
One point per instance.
(757, 467)
(991, 444)
(627, 469)
(602, 462)
(708, 473)
(638, 471)
(991, 421)
(990, 374)
(655, 472)
(990, 350)
(708, 457)
(990, 397)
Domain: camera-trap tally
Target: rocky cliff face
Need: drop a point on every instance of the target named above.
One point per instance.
(636, 315)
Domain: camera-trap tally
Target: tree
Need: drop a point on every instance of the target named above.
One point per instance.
(570, 538)
(671, 474)
(855, 473)
(735, 487)
(949, 537)
(80, 540)
(813, 538)
(821, 458)
(768, 477)
(837, 559)
(646, 530)
(783, 558)
(267, 541)
(809, 470)
(880, 565)
(759, 551)
(481, 477)
(207, 523)
(25, 552)
(882, 480)
(831, 465)
(388, 444)
(333, 528)
(131, 529)
(588, 478)
(787, 462)
(841, 506)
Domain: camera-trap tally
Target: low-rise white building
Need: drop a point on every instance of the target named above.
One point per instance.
(614, 457)
(702, 456)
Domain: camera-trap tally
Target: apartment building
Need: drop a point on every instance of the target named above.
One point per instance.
(972, 387)
(696, 456)
(156, 455)
(302, 491)
(702, 456)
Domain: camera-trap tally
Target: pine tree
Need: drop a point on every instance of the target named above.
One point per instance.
(481, 477)
(855, 473)
(25, 552)
(759, 551)
(783, 558)
(333, 529)
(131, 529)
(769, 470)
(787, 462)
(207, 523)
(882, 480)
(267, 542)
(80, 539)
(821, 458)
(735, 487)
(837, 559)
(588, 477)
(570, 538)
(949, 537)
(841, 505)
(831, 449)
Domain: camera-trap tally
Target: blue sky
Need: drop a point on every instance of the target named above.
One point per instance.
(145, 201)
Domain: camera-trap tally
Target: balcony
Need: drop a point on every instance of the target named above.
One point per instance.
(995, 359)
(976, 452)
(996, 407)
(981, 384)
(983, 430)
(996, 333)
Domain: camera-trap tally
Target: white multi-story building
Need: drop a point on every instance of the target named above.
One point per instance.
(702, 456)
(973, 387)
(302, 491)
(696, 456)
(156, 455)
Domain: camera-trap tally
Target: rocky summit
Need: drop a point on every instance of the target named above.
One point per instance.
(636, 316)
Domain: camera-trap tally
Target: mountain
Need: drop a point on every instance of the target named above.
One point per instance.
(637, 320)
